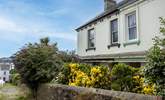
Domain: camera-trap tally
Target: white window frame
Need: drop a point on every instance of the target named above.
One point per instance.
(111, 33)
(128, 27)
(128, 12)
(88, 46)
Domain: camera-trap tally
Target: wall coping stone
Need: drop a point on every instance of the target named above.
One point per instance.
(64, 92)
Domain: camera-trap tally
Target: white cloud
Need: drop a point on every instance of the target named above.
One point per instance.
(8, 25)
(58, 12)
(12, 31)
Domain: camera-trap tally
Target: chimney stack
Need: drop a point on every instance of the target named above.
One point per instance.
(109, 4)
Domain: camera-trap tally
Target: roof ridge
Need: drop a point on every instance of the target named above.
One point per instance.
(105, 13)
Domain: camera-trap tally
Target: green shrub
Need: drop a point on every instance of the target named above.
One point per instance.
(154, 71)
(122, 77)
(63, 76)
(15, 79)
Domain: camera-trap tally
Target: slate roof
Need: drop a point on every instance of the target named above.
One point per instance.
(120, 5)
(5, 60)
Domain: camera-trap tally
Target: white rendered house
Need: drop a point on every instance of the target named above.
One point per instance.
(5, 68)
(122, 33)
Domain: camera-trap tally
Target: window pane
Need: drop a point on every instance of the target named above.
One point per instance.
(91, 34)
(132, 20)
(132, 33)
(5, 67)
(91, 44)
(114, 26)
(91, 38)
(114, 37)
(114, 31)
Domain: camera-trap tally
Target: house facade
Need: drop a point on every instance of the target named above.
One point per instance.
(5, 66)
(122, 33)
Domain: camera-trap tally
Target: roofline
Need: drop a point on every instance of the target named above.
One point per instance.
(88, 23)
(119, 6)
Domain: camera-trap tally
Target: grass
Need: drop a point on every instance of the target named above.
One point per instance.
(19, 93)
(2, 97)
(21, 98)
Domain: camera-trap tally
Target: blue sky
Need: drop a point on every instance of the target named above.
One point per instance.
(23, 21)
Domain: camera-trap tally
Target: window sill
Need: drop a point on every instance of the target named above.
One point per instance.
(114, 45)
(91, 49)
(132, 42)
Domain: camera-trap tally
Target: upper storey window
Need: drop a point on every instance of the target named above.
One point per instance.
(114, 31)
(91, 38)
(132, 26)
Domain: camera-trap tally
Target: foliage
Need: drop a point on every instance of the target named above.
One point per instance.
(15, 79)
(148, 89)
(122, 77)
(69, 56)
(78, 78)
(101, 77)
(154, 71)
(37, 63)
(138, 82)
(13, 71)
(141, 87)
(85, 75)
(63, 76)
(21, 98)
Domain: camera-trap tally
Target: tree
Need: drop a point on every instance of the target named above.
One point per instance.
(37, 63)
(154, 71)
(69, 56)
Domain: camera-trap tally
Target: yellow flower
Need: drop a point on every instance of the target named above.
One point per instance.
(95, 70)
(73, 65)
(148, 89)
(136, 77)
(72, 84)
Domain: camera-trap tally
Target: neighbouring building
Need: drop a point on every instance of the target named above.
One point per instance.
(5, 66)
(122, 33)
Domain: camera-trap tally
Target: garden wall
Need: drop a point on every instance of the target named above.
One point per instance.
(63, 92)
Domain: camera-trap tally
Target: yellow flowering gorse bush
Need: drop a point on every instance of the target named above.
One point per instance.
(99, 76)
(148, 89)
(141, 86)
(84, 75)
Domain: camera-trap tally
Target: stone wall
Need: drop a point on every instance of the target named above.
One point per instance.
(63, 92)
